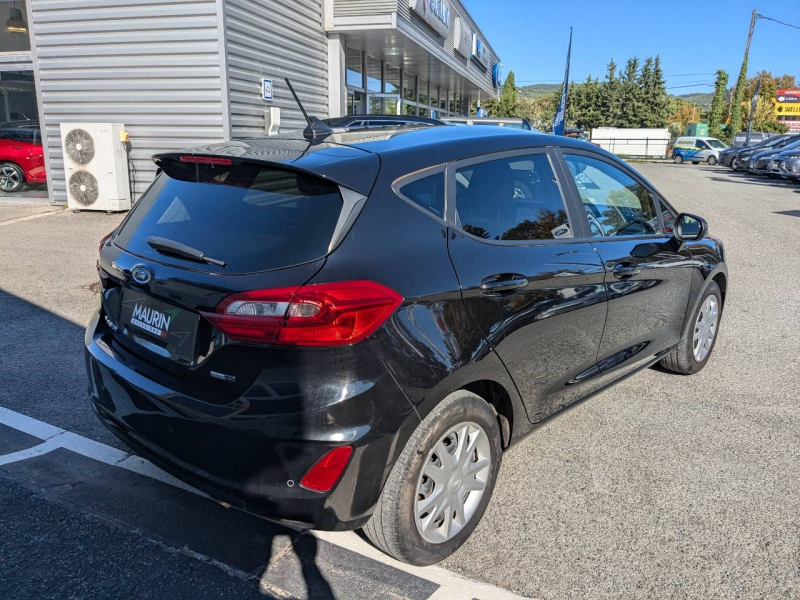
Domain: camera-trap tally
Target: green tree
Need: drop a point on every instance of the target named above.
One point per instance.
(658, 100)
(610, 100)
(717, 104)
(631, 104)
(764, 118)
(507, 105)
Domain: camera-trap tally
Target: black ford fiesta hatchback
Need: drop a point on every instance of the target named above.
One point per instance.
(348, 332)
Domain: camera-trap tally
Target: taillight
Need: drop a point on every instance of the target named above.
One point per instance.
(104, 279)
(327, 470)
(104, 240)
(325, 314)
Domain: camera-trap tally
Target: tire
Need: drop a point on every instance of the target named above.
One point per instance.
(677, 159)
(683, 358)
(393, 527)
(12, 178)
(712, 160)
(734, 164)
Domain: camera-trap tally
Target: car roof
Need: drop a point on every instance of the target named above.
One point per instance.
(352, 158)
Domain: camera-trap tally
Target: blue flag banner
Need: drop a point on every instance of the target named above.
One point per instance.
(561, 113)
(752, 112)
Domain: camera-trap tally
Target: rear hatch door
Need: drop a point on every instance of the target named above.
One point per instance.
(206, 229)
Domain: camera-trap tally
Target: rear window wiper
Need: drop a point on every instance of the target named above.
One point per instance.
(166, 246)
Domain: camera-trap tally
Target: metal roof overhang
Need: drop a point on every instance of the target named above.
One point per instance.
(405, 47)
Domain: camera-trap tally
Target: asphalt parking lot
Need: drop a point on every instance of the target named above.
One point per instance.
(664, 486)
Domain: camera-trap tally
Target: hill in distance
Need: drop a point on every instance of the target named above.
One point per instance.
(538, 89)
(702, 100)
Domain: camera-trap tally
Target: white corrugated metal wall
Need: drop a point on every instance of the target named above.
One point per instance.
(153, 65)
(266, 38)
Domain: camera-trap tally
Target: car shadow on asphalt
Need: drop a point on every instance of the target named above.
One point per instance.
(755, 179)
(279, 561)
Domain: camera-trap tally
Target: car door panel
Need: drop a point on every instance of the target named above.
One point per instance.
(546, 318)
(648, 276)
(646, 309)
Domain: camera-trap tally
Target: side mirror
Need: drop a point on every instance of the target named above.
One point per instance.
(690, 228)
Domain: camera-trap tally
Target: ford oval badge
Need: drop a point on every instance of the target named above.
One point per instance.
(141, 275)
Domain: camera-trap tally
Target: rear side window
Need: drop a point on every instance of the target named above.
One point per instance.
(427, 193)
(511, 199)
(250, 216)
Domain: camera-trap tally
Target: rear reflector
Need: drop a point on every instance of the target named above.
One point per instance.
(327, 470)
(206, 160)
(325, 314)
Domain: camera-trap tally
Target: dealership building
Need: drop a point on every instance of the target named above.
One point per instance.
(179, 74)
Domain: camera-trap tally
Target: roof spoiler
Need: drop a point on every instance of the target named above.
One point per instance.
(351, 169)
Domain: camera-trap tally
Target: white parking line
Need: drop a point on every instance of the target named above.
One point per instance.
(452, 585)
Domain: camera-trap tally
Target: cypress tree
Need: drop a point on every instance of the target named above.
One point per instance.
(659, 101)
(645, 83)
(717, 104)
(631, 95)
(610, 97)
(507, 106)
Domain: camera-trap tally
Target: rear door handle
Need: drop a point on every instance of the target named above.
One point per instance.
(624, 270)
(508, 282)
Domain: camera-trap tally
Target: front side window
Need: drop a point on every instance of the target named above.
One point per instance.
(668, 217)
(427, 193)
(700, 144)
(615, 203)
(511, 199)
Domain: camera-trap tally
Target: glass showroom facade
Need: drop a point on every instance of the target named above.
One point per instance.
(375, 86)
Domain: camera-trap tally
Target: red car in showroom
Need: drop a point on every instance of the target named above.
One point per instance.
(21, 156)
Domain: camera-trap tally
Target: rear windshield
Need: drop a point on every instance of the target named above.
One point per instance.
(249, 216)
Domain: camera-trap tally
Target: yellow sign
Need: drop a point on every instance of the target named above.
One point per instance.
(787, 109)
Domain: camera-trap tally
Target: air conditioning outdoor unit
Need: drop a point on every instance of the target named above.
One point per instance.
(95, 166)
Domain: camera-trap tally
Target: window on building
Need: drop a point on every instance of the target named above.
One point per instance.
(409, 109)
(409, 87)
(392, 82)
(14, 33)
(423, 91)
(434, 97)
(443, 100)
(423, 111)
(355, 67)
(511, 199)
(24, 172)
(373, 74)
(355, 103)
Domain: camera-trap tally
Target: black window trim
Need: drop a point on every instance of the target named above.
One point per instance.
(576, 196)
(575, 223)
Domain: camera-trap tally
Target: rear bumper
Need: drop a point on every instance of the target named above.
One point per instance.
(247, 453)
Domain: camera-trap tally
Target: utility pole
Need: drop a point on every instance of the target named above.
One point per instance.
(736, 108)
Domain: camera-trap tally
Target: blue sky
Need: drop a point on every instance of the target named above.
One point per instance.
(694, 39)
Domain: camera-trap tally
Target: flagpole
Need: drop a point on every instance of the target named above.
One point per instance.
(560, 119)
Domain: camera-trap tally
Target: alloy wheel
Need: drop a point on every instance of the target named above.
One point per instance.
(452, 482)
(9, 178)
(705, 328)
